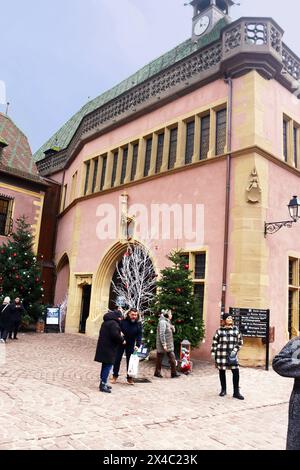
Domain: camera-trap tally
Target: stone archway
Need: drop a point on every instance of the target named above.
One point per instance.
(102, 286)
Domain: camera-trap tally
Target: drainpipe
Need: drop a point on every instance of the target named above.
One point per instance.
(227, 198)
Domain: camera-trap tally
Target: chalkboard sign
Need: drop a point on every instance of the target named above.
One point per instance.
(252, 323)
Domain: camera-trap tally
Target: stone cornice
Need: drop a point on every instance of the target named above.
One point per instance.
(246, 44)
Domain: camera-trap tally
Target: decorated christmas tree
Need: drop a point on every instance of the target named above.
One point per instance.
(176, 293)
(20, 272)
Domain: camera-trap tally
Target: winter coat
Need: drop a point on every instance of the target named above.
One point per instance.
(5, 317)
(132, 333)
(109, 338)
(287, 364)
(164, 335)
(17, 312)
(225, 341)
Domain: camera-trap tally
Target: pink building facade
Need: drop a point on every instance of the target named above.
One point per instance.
(201, 153)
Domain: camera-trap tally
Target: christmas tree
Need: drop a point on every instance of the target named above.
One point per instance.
(176, 293)
(20, 272)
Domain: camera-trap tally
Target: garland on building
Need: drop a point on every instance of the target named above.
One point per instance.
(176, 293)
(20, 271)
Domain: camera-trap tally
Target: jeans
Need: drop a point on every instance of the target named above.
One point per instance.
(129, 350)
(105, 371)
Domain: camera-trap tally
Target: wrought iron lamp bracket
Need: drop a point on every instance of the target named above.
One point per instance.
(273, 227)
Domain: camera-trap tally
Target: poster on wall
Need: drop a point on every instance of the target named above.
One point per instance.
(53, 316)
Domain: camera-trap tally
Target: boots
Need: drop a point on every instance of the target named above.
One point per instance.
(104, 388)
(237, 395)
(222, 375)
(236, 382)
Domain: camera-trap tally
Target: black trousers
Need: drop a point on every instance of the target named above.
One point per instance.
(129, 349)
(14, 328)
(3, 334)
(235, 379)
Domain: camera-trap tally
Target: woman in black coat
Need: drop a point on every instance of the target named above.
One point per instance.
(17, 310)
(110, 337)
(5, 319)
(287, 364)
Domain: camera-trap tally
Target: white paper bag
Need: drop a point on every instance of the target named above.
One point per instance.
(133, 367)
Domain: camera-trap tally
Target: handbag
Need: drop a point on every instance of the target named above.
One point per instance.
(232, 360)
(133, 367)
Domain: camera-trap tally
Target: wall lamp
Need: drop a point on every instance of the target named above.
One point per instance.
(294, 210)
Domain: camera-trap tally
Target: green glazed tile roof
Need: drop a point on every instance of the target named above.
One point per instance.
(17, 155)
(63, 137)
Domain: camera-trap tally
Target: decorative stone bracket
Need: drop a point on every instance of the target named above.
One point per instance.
(84, 279)
(253, 190)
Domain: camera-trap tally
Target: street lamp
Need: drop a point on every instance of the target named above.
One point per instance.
(294, 210)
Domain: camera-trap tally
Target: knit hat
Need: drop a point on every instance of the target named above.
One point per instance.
(6, 300)
(225, 316)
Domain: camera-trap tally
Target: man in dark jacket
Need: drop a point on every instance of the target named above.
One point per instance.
(132, 329)
(110, 337)
(287, 364)
(5, 319)
(17, 310)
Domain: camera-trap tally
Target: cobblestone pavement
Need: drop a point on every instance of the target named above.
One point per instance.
(49, 399)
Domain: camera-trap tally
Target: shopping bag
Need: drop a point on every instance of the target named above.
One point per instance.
(133, 367)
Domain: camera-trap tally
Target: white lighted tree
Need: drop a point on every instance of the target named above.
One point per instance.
(136, 279)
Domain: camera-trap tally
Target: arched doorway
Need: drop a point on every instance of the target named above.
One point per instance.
(134, 280)
(101, 289)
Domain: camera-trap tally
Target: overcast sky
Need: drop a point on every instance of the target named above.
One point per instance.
(57, 54)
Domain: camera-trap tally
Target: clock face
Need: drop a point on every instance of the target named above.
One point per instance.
(201, 25)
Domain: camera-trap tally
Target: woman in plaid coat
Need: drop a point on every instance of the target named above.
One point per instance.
(226, 344)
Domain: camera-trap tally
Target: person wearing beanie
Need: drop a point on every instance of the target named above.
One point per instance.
(287, 364)
(5, 319)
(226, 344)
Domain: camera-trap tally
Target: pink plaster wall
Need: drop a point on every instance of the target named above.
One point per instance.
(23, 205)
(273, 102)
(201, 185)
(62, 284)
(280, 244)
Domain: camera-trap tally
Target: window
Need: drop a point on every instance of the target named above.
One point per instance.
(114, 170)
(134, 161)
(96, 164)
(160, 152)
(190, 141)
(173, 148)
(197, 264)
(204, 137)
(64, 197)
(285, 140)
(124, 164)
(74, 186)
(6, 205)
(87, 176)
(294, 297)
(221, 125)
(103, 174)
(148, 156)
(200, 261)
(296, 148)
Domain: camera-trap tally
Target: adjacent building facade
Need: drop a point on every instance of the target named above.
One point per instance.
(24, 192)
(195, 151)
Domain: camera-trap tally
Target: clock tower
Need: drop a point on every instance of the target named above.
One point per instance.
(207, 13)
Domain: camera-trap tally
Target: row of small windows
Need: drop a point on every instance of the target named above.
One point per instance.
(203, 136)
